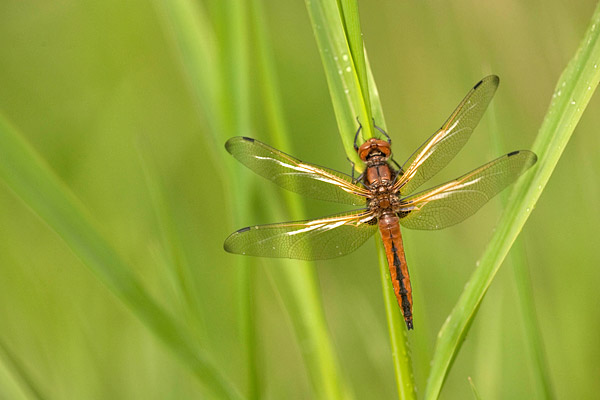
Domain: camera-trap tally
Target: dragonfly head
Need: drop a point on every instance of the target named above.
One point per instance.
(374, 148)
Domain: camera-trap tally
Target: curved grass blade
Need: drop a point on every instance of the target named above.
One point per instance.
(572, 94)
(36, 185)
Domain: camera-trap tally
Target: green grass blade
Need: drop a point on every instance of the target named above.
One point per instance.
(572, 94)
(197, 47)
(19, 373)
(532, 334)
(531, 330)
(349, 10)
(476, 395)
(401, 355)
(236, 120)
(175, 260)
(302, 299)
(343, 81)
(338, 34)
(36, 185)
(297, 283)
(397, 331)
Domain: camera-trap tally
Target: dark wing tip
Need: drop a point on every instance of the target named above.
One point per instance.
(229, 143)
(409, 324)
(494, 79)
(530, 158)
(228, 246)
(531, 155)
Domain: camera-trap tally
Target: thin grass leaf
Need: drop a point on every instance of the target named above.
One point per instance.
(176, 263)
(188, 26)
(405, 380)
(297, 283)
(349, 80)
(35, 184)
(476, 395)
(236, 114)
(349, 11)
(572, 94)
(303, 302)
(533, 337)
(27, 383)
(344, 85)
(531, 330)
(397, 331)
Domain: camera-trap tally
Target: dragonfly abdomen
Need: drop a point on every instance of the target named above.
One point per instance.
(389, 228)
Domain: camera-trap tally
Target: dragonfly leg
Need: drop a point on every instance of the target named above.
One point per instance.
(400, 170)
(383, 132)
(355, 181)
(351, 163)
(356, 138)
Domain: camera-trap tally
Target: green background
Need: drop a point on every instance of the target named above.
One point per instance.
(97, 89)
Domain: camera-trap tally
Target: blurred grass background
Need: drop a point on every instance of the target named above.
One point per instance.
(91, 85)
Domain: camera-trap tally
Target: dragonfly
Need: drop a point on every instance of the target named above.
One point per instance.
(386, 192)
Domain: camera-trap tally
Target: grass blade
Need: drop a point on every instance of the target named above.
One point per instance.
(19, 372)
(297, 284)
(476, 395)
(36, 185)
(349, 11)
(190, 29)
(572, 94)
(531, 331)
(532, 334)
(398, 334)
(338, 34)
(340, 70)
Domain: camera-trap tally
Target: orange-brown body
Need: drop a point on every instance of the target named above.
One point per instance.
(379, 177)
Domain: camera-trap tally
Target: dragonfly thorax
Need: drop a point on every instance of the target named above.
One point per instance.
(384, 199)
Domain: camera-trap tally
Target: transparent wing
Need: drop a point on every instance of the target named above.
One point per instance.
(440, 148)
(292, 174)
(305, 240)
(452, 202)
